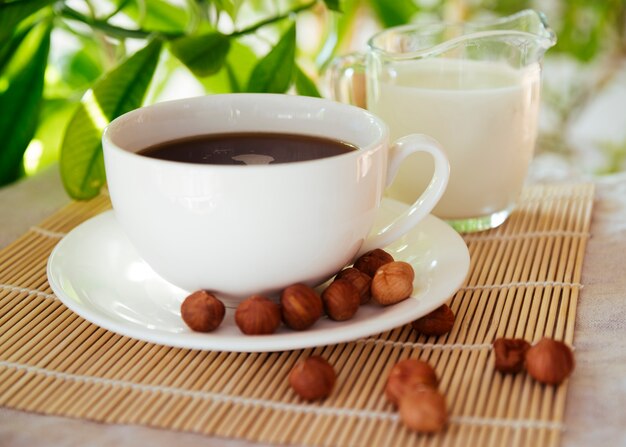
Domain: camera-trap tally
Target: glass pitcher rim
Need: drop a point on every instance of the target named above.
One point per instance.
(546, 38)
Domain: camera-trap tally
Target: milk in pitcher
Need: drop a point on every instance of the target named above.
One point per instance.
(484, 114)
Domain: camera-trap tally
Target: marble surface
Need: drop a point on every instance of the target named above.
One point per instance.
(596, 406)
(28, 202)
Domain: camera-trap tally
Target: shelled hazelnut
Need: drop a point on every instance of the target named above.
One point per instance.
(392, 282)
(549, 361)
(369, 262)
(438, 322)
(257, 315)
(424, 410)
(301, 306)
(409, 375)
(202, 311)
(361, 281)
(312, 378)
(412, 387)
(341, 300)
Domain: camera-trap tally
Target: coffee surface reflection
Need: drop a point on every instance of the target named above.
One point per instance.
(247, 148)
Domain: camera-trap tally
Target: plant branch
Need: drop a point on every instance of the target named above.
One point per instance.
(117, 10)
(116, 31)
(113, 30)
(274, 19)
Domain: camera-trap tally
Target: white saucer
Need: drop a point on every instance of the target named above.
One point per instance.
(95, 271)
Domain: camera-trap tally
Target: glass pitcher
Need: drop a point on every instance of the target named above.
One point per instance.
(474, 87)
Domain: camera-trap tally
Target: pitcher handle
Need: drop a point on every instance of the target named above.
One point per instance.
(347, 79)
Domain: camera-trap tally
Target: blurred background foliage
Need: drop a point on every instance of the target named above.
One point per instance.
(67, 68)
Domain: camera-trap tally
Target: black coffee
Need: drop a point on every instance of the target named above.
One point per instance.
(247, 148)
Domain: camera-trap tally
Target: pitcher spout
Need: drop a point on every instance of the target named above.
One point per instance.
(520, 39)
(529, 26)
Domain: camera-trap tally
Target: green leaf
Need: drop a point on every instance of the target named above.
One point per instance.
(7, 50)
(393, 13)
(78, 64)
(81, 68)
(304, 85)
(585, 29)
(333, 5)
(204, 55)
(119, 91)
(235, 72)
(158, 15)
(274, 72)
(14, 12)
(54, 116)
(230, 7)
(339, 26)
(20, 100)
(614, 156)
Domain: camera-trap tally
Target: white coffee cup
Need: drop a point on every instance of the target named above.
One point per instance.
(240, 230)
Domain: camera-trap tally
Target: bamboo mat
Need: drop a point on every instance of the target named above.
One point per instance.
(523, 282)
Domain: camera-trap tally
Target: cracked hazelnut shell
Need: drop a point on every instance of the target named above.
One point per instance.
(438, 322)
(510, 354)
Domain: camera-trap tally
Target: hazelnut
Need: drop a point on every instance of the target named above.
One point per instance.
(407, 376)
(509, 354)
(549, 361)
(437, 322)
(369, 262)
(257, 315)
(301, 306)
(361, 281)
(423, 410)
(341, 300)
(202, 312)
(392, 283)
(313, 378)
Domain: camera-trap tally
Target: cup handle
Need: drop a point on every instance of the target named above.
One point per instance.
(346, 76)
(424, 204)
